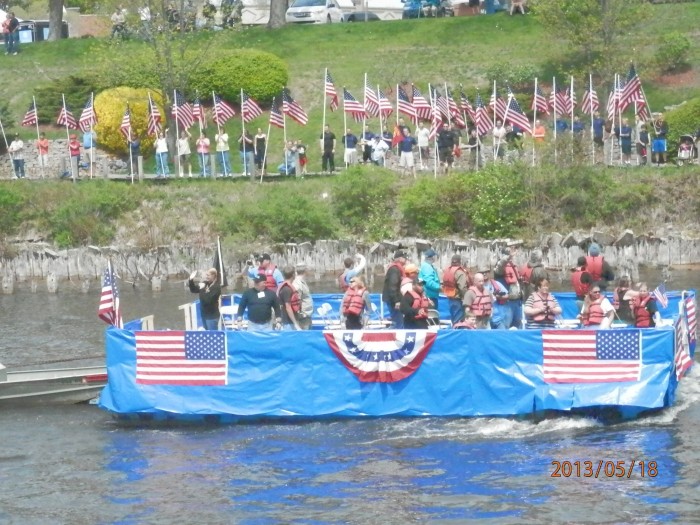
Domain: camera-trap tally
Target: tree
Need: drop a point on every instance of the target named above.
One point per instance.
(55, 19)
(595, 28)
(278, 11)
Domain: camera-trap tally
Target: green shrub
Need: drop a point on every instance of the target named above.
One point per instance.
(672, 51)
(260, 74)
(76, 90)
(684, 120)
(11, 203)
(433, 207)
(363, 200)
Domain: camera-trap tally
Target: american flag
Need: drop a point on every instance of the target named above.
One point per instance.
(30, 117)
(435, 123)
(276, 118)
(192, 358)
(154, 118)
(405, 106)
(331, 92)
(467, 106)
(109, 310)
(88, 118)
(591, 356)
(660, 294)
(681, 359)
(613, 99)
(125, 126)
(371, 100)
(539, 102)
(440, 103)
(424, 110)
(454, 110)
(182, 111)
(559, 101)
(498, 105)
(292, 109)
(385, 107)
(570, 99)
(632, 91)
(515, 114)
(66, 118)
(198, 112)
(643, 111)
(590, 103)
(691, 316)
(222, 111)
(249, 108)
(483, 122)
(353, 107)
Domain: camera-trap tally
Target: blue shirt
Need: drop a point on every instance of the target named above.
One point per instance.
(429, 274)
(406, 145)
(598, 126)
(350, 141)
(578, 126)
(561, 125)
(89, 139)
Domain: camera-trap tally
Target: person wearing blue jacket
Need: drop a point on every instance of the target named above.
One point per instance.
(429, 275)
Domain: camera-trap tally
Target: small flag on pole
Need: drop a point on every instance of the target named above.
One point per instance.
(30, 117)
(88, 118)
(66, 118)
(125, 126)
(292, 109)
(276, 117)
(108, 309)
(222, 110)
(331, 92)
(249, 108)
(660, 294)
(154, 118)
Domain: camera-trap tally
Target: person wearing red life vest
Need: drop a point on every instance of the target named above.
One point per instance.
(644, 308)
(456, 279)
(541, 308)
(353, 267)
(415, 306)
(506, 272)
(478, 301)
(272, 274)
(597, 311)
(356, 303)
(581, 281)
(598, 267)
(290, 301)
(533, 271)
(410, 274)
(391, 293)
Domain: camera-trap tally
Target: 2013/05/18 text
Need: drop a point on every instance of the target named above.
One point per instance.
(604, 468)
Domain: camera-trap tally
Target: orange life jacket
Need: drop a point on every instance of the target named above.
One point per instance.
(511, 274)
(449, 281)
(526, 273)
(642, 317)
(421, 303)
(481, 307)
(594, 266)
(399, 266)
(580, 289)
(295, 300)
(595, 314)
(270, 282)
(342, 282)
(540, 302)
(353, 302)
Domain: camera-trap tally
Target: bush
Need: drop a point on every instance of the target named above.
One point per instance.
(260, 74)
(519, 76)
(363, 200)
(672, 52)
(684, 120)
(11, 203)
(76, 89)
(110, 106)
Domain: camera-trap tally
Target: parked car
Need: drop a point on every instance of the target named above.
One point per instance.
(361, 16)
(317, 11)
(427, 8)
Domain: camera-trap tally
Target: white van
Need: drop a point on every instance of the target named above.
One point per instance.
(318, 11)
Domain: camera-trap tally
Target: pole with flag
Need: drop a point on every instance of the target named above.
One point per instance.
(125, 128)
(31, 118)
(345, 127)
(109, 309)
(7, 147)
(572, 105)
(592, 96)
(88, 119)
(554, 107)
(619, 117)
(243, 139)
(535, 105)
(66, 118)
(177, 129)
(277, 120)
(219, 264)
(434, 129)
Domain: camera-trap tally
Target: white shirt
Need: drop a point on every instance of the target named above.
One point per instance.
(379, 150)
(499, 134)
(183, 146)
(16, 148)
(222, 142)
(161, 145)
(423, 137)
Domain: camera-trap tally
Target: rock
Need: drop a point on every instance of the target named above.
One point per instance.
(422, 244)
(625, 239)
(604, 239)
(554, 240)
(570, 240)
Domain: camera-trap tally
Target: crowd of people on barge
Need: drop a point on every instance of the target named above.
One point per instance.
(504, 297)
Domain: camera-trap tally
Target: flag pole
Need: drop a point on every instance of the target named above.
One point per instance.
(432, 121)
(590, 100)
(534, 120)
(65, 120)
(128, 145)
(571, 102)
(323, 123)
(646, 102)
(243, 138)
(177, 133)
(267, 137)
(201, 132)
(92, 142)
(36, 123)
(284, 134)
(505, 116)
(614, 109)
(345, 127)
(420, 153)
(619, 120)
(7, 147)
(554, 90)
(216, 121)
(495, 108)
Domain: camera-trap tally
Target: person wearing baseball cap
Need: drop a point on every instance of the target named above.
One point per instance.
(429, 275)
(268, 270)
(391, 293)
(260, 303)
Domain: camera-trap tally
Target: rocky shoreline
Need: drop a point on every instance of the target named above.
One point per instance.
(44, 268)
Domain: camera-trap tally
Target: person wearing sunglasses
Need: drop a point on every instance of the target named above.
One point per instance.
(597, 311)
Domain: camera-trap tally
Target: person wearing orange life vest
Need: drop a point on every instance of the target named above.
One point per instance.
(290, 301)
(355, 303)
(499, 301)
(456, 279)
(597, 311)
(598, 267)
(391, 293)
(478, 301)
(415, 306)
(468, 323)
(507, 273)
(581, 281)
(410, 274)
(353, 267)
(272, 274)
(531, 272)
(644, 308)
(541, 308)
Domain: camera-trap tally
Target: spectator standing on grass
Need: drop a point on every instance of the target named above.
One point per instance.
(42, 146)
(350, 143)
(222, 153)
(246, 147)
(327, 150)
(406, 145)
(423, 140)
(379, 149)
(16, 150)
(301, 156)
(89, 145)
(366, 144)
(184, 153)
(202, 145)
(260, 147)
(74, 152)
(12, 35)
(161, 147)
(118, 22)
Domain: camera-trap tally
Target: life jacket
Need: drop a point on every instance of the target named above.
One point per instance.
(497, 287)
(595, 314)
(526, 273)
(295, 300)
(594, 266)
(449, 281)
(580, 289)
(399, 266)
(420, 302)
(540, 302)
(270, 282)
(511, 274)
(342, 282)
(353, 302)
(481, 307)
(642, 317)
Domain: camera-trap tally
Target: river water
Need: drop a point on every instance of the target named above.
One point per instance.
(75, 464)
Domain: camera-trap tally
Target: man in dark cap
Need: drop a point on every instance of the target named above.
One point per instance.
(260, 303)
(430, 277)
(391, 293)
(268, 270)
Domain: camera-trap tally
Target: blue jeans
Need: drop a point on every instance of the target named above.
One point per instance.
(247, 161)
(162, 164)
(11, 42)
(211, 324)
(456, 310)
(224, 163)
(286, 169)
(257, 327)
(19, 168)
(396, 316)
(513, 315)
(203, 159)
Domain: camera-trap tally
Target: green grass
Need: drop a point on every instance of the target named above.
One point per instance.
(454, 50)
